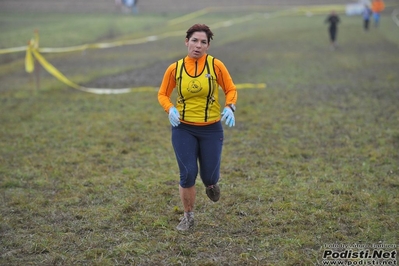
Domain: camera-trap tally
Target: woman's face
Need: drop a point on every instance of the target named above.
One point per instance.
(197, 44)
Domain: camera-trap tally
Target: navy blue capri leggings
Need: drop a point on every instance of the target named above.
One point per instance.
(198, 145)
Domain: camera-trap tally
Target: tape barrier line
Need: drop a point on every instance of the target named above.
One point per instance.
(29, 61)
(33, 49)
(61, 77)
(306, 9)
(251, 86)
(13, 50)
(52, 70)
(155, 89)
(323, 8)
(94, 45)
(102, 45)
(189, 16)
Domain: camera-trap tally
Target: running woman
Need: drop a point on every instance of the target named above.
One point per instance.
(196, 117)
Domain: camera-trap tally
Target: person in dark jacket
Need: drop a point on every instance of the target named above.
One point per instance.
(367, 13)
(333, 20)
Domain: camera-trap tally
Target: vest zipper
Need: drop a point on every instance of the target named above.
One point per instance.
(210, 92)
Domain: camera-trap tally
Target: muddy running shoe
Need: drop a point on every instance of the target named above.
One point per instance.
(186, 223)
(213, 192)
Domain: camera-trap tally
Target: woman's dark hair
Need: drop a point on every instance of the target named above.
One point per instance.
(200, 27)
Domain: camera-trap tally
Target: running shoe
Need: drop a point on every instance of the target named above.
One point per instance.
(213, 192)
(185, 224)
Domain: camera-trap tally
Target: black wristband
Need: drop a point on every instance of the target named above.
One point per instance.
(232, 107)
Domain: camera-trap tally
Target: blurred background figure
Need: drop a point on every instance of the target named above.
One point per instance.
(367, 12)
(377, 6)
(119, 4)
(333, 20)
(131, 5)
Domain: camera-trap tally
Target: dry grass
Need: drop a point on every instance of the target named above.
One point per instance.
(92, 180)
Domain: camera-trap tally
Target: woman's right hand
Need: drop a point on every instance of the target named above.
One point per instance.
(174, 116)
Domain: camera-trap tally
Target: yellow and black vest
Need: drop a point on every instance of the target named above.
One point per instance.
(197, 96)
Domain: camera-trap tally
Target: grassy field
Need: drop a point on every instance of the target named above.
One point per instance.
(90, 179)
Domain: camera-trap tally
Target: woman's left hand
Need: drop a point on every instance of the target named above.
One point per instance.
(228, 115)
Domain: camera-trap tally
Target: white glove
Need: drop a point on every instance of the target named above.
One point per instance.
(174, 116)
(228, 115)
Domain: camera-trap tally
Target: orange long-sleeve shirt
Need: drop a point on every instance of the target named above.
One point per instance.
(377, 6)
(194, 68)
